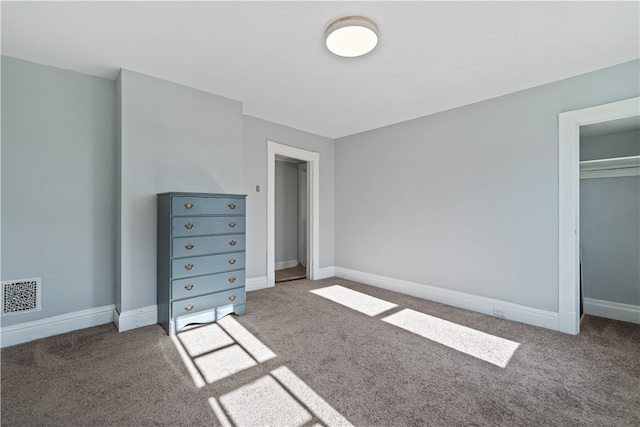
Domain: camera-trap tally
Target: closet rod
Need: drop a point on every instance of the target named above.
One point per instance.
(609, 168)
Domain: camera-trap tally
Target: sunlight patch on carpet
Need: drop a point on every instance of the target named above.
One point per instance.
(481, 345)
(355, 300)
(188, 363)
(278, 399)
(263, 402)
(218, 350)
(205, 339)
(224, 363)
(246, 339)
(309, 398)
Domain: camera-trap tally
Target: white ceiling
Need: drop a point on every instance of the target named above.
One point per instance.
(432, 56)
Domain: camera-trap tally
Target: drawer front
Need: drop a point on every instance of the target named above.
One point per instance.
(207, 302)
(191, 246)
(197, 266)
(194, 286)
(207, 206)
(197, 226)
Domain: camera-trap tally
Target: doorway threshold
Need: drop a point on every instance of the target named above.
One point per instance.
(293, 273)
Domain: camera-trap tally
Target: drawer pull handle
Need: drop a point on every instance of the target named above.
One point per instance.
(232, 279)
(232, 297)
(188, 266)
(188, 226)
(189, 246)
(232, 243)
(232, 261)
(189, 287)
(232, 206)
(188, 205)
(232, 224)
(189, 307)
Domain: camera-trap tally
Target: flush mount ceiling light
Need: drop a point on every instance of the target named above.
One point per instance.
(351, 36)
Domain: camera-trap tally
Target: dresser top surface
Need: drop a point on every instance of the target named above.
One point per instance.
(187, 194)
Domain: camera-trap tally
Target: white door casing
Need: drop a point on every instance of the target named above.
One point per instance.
(313, 209)
(303, 233)
(569, 202)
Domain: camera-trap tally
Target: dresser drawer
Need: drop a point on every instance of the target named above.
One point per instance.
(190, 246)
(194, 286)
(198, 266)
(195, 226)
(206, 206)
(207, 302)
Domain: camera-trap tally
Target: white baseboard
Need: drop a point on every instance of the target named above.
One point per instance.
(256, 283)
(507, 310)
(286, 264)
(567, 322)
(325, 273)
(36, 329)
(612, 310)
(137, 318)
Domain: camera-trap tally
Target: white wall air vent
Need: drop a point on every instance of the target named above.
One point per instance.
(21, 296)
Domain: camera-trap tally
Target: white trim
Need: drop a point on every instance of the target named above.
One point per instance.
(326, 272)
(257, 283)
(137, 318)
(519, 313)
(610, 168)
(36, 329)
(313, 180)
(569, 202)
(612, 310)
(286, 264)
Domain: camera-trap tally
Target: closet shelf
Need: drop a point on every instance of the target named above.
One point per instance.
(613, 167)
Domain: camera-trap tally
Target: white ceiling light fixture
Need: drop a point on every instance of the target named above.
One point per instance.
(351, 36)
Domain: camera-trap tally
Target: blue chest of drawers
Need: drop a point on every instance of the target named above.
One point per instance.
(201, 258)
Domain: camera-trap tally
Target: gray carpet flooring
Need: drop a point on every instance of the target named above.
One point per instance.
(366, 370)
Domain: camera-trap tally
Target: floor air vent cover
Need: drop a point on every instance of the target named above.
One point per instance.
(20, 296)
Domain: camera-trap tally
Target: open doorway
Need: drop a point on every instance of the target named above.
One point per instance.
(290, 219)
(570, 122)
(610, 219)
(311, 160)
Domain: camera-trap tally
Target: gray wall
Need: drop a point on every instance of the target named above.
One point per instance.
(610, 223)
(97, 152)
(286, 211)
(467, 199)
(619, 144)
(173, 138)
(58, 186)
(256, 134)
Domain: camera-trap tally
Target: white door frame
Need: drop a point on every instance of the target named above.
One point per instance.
(313, 209)
(303, 204)
(569, 202)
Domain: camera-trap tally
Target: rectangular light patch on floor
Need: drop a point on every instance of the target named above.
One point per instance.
(355, 300)
(279, 399)
(224, 363)
(487, 347)
(263, 402)
(312, 400)
(246, 339)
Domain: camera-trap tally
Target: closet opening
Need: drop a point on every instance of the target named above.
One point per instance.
(290, 219)
(307, 246)
(610, 219)
(570, 123)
